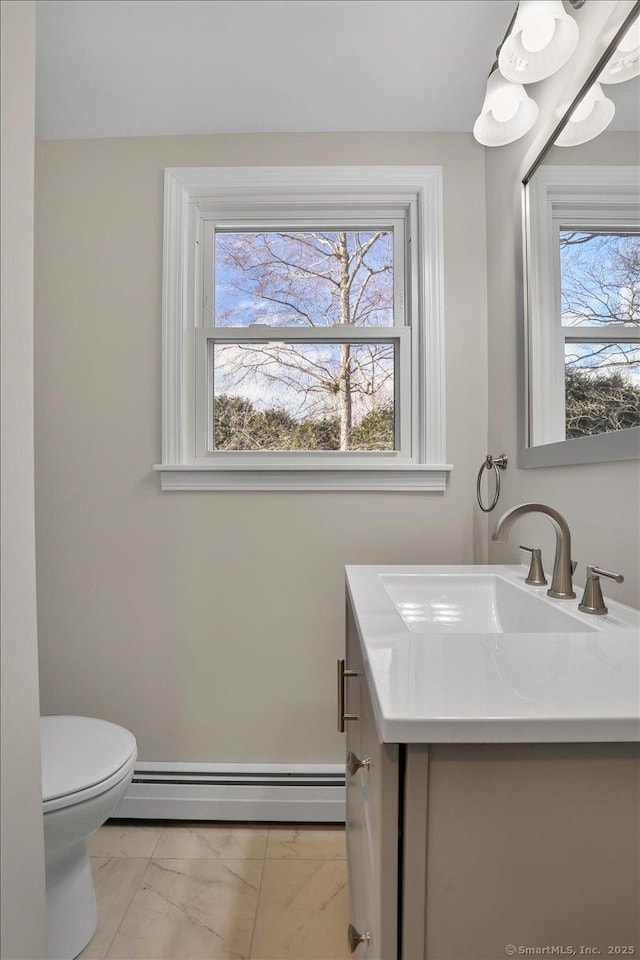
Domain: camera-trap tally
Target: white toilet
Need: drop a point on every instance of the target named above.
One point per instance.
(87, 765)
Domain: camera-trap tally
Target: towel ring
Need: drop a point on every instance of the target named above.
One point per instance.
(496, 464)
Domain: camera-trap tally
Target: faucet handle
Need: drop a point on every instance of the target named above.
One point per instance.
(536, 575)
(597, 572)
(592, 600)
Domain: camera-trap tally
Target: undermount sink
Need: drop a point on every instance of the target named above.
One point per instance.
(475, 603)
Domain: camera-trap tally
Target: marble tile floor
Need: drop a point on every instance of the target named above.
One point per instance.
(209, 891)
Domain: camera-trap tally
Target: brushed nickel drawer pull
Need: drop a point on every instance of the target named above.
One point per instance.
(342, 716)
(354, 763)
(355, 938)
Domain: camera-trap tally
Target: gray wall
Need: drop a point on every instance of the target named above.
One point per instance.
(601, 501)
(22, 912)
(209, 623)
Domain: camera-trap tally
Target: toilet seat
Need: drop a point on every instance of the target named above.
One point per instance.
(81, 758)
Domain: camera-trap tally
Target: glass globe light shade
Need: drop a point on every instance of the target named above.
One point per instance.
(592, 115)
(507, 113)
(541, 41)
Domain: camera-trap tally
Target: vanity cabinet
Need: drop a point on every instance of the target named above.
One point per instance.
(485, 850)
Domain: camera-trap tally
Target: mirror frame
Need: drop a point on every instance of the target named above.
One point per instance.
(603, 447)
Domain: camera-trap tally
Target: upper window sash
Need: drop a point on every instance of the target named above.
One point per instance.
(624, 221)
(398, 224)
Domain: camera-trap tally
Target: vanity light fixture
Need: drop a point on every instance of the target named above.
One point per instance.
(625, 62)
(507, 112)
(590, 117)
(541, 41)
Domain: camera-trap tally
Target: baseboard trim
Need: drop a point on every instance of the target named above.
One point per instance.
(298, 793)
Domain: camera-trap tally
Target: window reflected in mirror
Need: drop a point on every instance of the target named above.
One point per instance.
(582, 243)
(599, 290)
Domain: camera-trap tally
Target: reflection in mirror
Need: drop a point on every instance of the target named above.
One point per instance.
(583, 278)
(598, 292)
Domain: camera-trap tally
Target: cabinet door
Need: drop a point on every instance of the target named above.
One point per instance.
(372, 819)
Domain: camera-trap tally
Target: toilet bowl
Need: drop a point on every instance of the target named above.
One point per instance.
(87, 765)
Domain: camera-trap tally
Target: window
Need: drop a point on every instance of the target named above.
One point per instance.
(584, 303)
(303, 329)
(600, 325)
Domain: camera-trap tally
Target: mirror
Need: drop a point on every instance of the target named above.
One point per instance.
(582, 276)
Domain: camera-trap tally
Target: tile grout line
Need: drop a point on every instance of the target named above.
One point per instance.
(306, 860)
(161, 835)
(206, 859)
(129, 902)
(255, 916)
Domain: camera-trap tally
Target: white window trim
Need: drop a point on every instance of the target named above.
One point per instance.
(595, 196)
(190, 194)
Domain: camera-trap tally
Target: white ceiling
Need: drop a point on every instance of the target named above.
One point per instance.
(111, 68)
(117, 68)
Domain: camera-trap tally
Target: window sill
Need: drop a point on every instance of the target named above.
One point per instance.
(618, 445)
(421, 477)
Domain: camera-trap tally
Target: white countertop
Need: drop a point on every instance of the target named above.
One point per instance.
(497, 687)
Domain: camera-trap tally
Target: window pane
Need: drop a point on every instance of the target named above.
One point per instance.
(304, 396)
(600, 278)
(305, 279)
(602, 387)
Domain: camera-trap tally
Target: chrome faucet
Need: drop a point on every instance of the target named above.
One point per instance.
(561, 583)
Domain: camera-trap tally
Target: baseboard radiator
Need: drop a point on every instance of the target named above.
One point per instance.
(235, 792)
